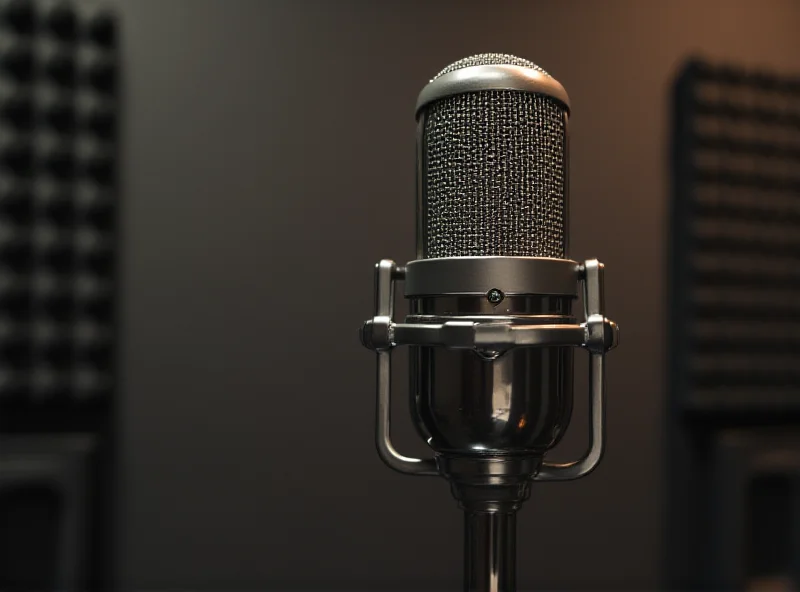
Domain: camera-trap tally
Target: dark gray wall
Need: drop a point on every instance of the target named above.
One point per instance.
(268, 164)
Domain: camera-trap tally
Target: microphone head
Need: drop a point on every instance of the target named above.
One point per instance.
(492, 149)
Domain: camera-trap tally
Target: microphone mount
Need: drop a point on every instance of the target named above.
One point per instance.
(491, 483)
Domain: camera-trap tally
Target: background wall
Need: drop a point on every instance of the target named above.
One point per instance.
(269, 162)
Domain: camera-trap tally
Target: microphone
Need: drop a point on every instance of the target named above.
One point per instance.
(490, 327)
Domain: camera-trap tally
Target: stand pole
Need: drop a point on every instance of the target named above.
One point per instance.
(490, 551)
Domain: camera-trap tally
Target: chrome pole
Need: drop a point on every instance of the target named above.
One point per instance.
(490, 551)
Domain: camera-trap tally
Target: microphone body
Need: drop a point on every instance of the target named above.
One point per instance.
(521, 400)
(491, 292)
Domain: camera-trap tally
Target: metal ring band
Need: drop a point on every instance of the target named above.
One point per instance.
(478, 275)
(492, 77)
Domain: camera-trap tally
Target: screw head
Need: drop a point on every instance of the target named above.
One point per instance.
(494, 296)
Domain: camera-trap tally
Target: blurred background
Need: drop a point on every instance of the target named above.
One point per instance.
(194, 194)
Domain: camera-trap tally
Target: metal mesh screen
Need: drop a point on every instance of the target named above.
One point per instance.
(494, 175)
(485, 59)
(735, 285)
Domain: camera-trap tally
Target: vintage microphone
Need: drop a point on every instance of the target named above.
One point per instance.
(490, 293)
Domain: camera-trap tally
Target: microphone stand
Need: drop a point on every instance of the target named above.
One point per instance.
(490, 487)
(490, 554)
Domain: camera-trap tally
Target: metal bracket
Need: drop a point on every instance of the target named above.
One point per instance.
(381, 334)
(386, 272)
(602, 335)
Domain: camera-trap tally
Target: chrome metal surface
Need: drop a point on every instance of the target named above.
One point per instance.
(495, 335)
(509, 389)
(479, 306)
(492, 77)
(492, 393)
(490, 490)
(385, 273)
(480, 336)
(509, 394)
(589, 461)
(490, 553)
(478, 275)
(495, 401)
(489, 483)
(602, 336)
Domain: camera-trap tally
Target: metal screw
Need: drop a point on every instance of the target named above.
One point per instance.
(494, 296)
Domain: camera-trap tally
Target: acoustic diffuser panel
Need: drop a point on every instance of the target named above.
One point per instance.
(57, 198)
(735, 241)
(58, 244)
(733, 402)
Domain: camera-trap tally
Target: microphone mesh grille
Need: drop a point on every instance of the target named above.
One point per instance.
(493, 59)
(494, 173)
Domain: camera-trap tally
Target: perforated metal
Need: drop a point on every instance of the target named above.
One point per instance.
(494, 172)
(484, 59)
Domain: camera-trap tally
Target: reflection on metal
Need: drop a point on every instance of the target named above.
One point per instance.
(492, 393)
